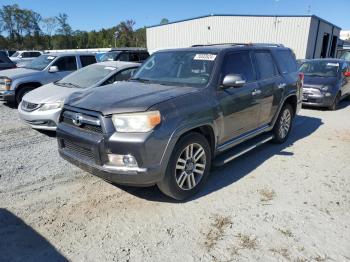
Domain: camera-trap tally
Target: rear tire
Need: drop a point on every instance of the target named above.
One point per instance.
(188, 167)
(283, 124)
(335, 104)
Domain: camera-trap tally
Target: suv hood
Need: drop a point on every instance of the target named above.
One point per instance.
(125, 97)
(18, 73)
(49, 93)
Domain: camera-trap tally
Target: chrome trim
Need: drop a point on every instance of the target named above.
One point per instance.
(132, 170)
(234, 141)
(79, 118)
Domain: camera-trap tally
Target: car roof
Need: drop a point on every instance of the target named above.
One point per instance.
(69, 53)
(221, 47)
(118, 64)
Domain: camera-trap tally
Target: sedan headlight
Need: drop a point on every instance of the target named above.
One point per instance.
(50, 106)
(136, 122)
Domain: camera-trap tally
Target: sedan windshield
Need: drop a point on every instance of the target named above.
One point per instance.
(320, 68)
(87, 76)
(110, 56)
(15, 54)
(184, 68)
(40, 63)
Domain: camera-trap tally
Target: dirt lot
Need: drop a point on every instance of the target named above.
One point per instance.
(288, 202)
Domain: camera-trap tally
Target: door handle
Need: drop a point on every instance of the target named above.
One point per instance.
(282, 85)
(256, 92)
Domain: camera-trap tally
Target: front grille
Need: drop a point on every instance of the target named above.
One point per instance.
(78, 151)
(67, 119)
(27, 106)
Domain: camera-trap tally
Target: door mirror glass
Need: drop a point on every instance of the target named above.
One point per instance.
(233, 80)
(53, 69)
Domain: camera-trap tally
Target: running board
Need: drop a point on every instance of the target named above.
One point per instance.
(241, 149)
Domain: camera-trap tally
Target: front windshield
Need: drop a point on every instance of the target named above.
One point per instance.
(15, 54)
(185, 68)
(87, 76)
(346, 56)
(320, 68)
(110, 56)
(40, 62)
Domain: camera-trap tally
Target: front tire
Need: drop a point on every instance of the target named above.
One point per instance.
(283, 124)
(20, 94)
(336, 101)
(188, 167)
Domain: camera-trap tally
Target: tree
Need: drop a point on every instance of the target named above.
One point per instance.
(164, 21)
(49, 25)
(125, 33)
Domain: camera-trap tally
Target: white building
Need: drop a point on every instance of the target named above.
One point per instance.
(309, 36)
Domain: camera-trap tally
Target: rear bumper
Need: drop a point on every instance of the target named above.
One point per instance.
(43, 120)
(8, 96)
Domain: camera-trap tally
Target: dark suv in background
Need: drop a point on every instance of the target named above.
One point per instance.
(127, 54)
(184, 110)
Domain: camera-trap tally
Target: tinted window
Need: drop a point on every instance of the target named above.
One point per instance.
(67, 63)
(26, 54)
(241, 64)
(34, 54)
(286, 61)
(143, 56)
(134, 57)
(87, 60)
(123, 57)
(265, 64)
(322, 68)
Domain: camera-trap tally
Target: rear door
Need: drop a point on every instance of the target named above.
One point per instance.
(239, 106)
(271, 85)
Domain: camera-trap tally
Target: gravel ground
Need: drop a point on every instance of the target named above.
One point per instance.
(286, 202)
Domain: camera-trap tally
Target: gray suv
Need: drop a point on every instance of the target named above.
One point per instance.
(15, 83)
(184, 110)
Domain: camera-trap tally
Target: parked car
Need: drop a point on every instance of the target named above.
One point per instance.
(41, 107)
(99, 56)
(7, 52)
(130, 54)
(42, 70)
(183, 109)
(5, 62)
(326, 82)
(21, 56)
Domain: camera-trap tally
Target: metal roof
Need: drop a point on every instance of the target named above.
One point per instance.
(245, 15)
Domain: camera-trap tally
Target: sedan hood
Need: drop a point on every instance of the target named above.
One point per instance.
(18, 73)
(318, 82)
(125, 97)
(49, 93)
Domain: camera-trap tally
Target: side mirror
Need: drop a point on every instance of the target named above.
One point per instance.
(233, 80)
(53, 69)
(347, 73)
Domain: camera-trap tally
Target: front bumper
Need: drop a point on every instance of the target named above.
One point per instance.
(8, 95)
(314, 97)
(89, 151)
(43, 120)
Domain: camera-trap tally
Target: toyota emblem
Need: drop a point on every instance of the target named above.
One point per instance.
(77, 119)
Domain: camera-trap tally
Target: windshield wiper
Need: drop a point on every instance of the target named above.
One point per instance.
(141, 80)
(67, 84)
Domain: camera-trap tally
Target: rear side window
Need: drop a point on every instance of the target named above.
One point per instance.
(286, 61)
(143, 56)
(134, 57)
(239, 63)
(265, 64)
(87, 60)
(26, 54)
(67, 63)
(35, 54)
(123, 57)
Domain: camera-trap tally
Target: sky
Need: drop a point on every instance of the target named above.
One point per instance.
(93, 15)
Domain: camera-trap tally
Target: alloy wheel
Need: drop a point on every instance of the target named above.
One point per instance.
(285, 123)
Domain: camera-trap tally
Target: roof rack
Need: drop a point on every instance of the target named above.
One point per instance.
(244, 44)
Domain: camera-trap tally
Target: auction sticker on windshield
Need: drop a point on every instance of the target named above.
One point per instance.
(205, 57)
(110, 68)
(51, 57)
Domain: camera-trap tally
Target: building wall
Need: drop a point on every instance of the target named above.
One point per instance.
(290, 31)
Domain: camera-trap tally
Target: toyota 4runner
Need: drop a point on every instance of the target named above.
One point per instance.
(183, 111)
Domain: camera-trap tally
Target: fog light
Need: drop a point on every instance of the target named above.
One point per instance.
(122, 160)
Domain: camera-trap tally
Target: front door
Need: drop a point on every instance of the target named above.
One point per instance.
(239, 107)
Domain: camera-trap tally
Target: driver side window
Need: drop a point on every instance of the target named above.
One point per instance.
(239, 63)
(67, 63)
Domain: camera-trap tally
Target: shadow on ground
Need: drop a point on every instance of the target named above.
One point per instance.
(19, 242)
(240, 167)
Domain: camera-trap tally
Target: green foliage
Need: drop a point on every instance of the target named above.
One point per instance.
(26, 29)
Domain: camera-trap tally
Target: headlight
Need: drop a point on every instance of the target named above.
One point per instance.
(6, 84)
(326, 88)
(50, 106)
(136, 122)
